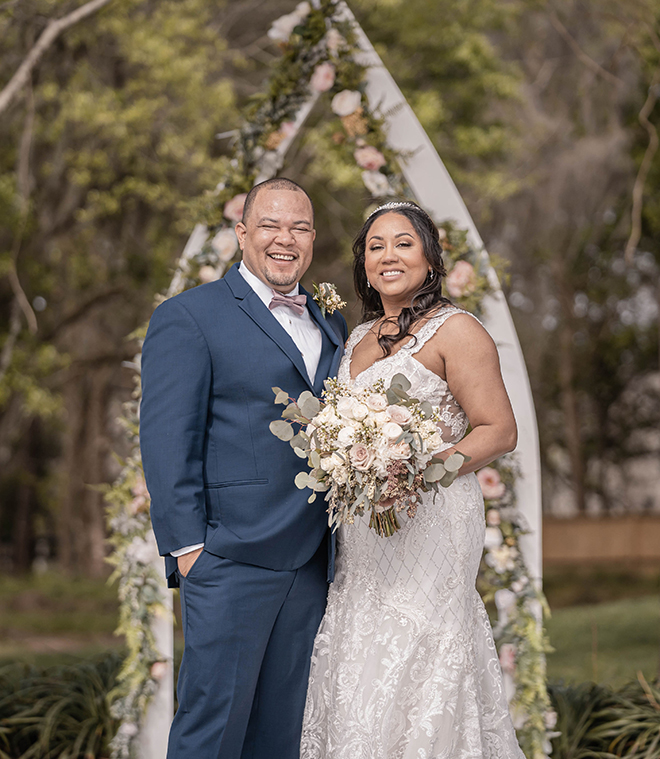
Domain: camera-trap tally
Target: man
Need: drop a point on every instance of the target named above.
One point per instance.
(250, 554)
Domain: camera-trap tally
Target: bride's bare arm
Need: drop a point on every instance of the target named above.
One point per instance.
(469, 361)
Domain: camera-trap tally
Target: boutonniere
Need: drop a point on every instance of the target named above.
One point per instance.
(327, 297)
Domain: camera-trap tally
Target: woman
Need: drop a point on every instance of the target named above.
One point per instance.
(404, 664)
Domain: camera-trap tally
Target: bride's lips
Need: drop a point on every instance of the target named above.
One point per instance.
(389, 275)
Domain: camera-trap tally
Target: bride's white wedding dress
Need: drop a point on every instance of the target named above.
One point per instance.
(404, 664)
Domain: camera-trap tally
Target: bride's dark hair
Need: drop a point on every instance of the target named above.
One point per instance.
(429, 294)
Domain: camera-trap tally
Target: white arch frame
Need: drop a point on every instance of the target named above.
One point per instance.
(434, 189)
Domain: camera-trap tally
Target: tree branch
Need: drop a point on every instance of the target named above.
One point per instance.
(48, 36)
(640, 180)
(10, 342)
(587, 60)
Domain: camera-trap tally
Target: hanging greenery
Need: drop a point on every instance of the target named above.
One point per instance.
(320, 55)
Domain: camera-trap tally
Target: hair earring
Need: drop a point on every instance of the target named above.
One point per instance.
(431, 273)
(368, 283)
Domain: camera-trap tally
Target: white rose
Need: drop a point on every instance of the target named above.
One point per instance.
(346, 102)
(327, 416)
(360, 411)
(399, 414)
(334, 41)
(377, 402)
(283, 26)
(207, 274)
(428, 427)
(225, 244)
(377, 183)
(399, 451)
(435, 441)
(391, 430)
(346, 435)
(493, 538)
(345, 407)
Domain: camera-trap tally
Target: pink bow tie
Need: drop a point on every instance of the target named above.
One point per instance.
(295, 302)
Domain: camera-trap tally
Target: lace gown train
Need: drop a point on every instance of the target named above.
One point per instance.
(404, 664)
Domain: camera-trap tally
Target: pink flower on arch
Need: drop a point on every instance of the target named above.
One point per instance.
(323, 77)
(369, 158)
(491, 484)
(461, 280)
(234, 208)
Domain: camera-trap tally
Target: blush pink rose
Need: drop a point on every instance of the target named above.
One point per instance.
(461, 280)
(399, 414)
(493, 518)
(369, 158)
(234, 208)
(491, 484)
(323, 77)
(508, 658)
(361, 457)
(159, 669)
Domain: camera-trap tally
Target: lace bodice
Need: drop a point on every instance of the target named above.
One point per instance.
(425, 384)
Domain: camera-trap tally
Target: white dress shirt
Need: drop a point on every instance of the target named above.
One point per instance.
(302, 329)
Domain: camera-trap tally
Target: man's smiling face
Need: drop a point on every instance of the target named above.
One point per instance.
(277, 238)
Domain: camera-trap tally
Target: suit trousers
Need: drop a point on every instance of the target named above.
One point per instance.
(249, 633)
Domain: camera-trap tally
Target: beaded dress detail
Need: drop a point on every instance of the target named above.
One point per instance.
(404, 664)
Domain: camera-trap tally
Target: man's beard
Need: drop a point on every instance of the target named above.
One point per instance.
(281, 279)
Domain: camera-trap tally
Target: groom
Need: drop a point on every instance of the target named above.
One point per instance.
(248, 552)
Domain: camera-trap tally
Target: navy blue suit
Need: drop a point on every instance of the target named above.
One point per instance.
(253, 600)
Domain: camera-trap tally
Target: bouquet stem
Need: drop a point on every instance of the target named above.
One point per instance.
(385, 523)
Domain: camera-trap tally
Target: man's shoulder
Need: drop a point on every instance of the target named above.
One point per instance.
(200, 298)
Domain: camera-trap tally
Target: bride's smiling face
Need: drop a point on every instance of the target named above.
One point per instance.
(394, 260)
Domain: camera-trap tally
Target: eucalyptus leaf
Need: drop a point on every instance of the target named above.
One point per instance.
(281, 429)
(291, 411)
(401, 380)
(300, 453)
(312, 498)
(304, 396)
(434, 472)
(447, 480)
(298, 441)
(426, 409)
(454, 462)
(310, 407)
(302, 480)
(315, 459)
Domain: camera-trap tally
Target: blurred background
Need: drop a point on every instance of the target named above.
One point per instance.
(545, 114)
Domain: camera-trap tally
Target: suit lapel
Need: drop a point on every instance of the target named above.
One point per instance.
(252, 305)
(332, 347)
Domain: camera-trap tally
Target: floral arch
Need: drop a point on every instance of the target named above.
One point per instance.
(325, 51)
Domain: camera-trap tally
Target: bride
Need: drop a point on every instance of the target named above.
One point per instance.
(404, 665)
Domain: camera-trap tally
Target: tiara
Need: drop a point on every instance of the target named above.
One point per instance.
(392, 205)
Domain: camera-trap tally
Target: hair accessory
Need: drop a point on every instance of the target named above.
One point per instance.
(394, 204)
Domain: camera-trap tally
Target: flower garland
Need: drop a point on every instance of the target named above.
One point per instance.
(319, 55)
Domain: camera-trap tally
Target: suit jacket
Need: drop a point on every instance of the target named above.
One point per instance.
(215, 472)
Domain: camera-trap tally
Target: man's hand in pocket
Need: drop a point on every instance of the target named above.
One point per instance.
(186, 561)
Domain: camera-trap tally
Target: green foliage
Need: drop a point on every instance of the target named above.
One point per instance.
(59, 713)
(598, 723)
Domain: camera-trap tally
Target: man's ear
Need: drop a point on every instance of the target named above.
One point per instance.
(240, 233)
(313, 235)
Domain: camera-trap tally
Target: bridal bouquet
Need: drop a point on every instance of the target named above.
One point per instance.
(368, 450)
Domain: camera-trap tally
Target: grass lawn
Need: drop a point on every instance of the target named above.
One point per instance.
(607, 643)
(605, 626)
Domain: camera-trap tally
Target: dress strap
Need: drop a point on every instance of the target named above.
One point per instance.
(432, 326)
